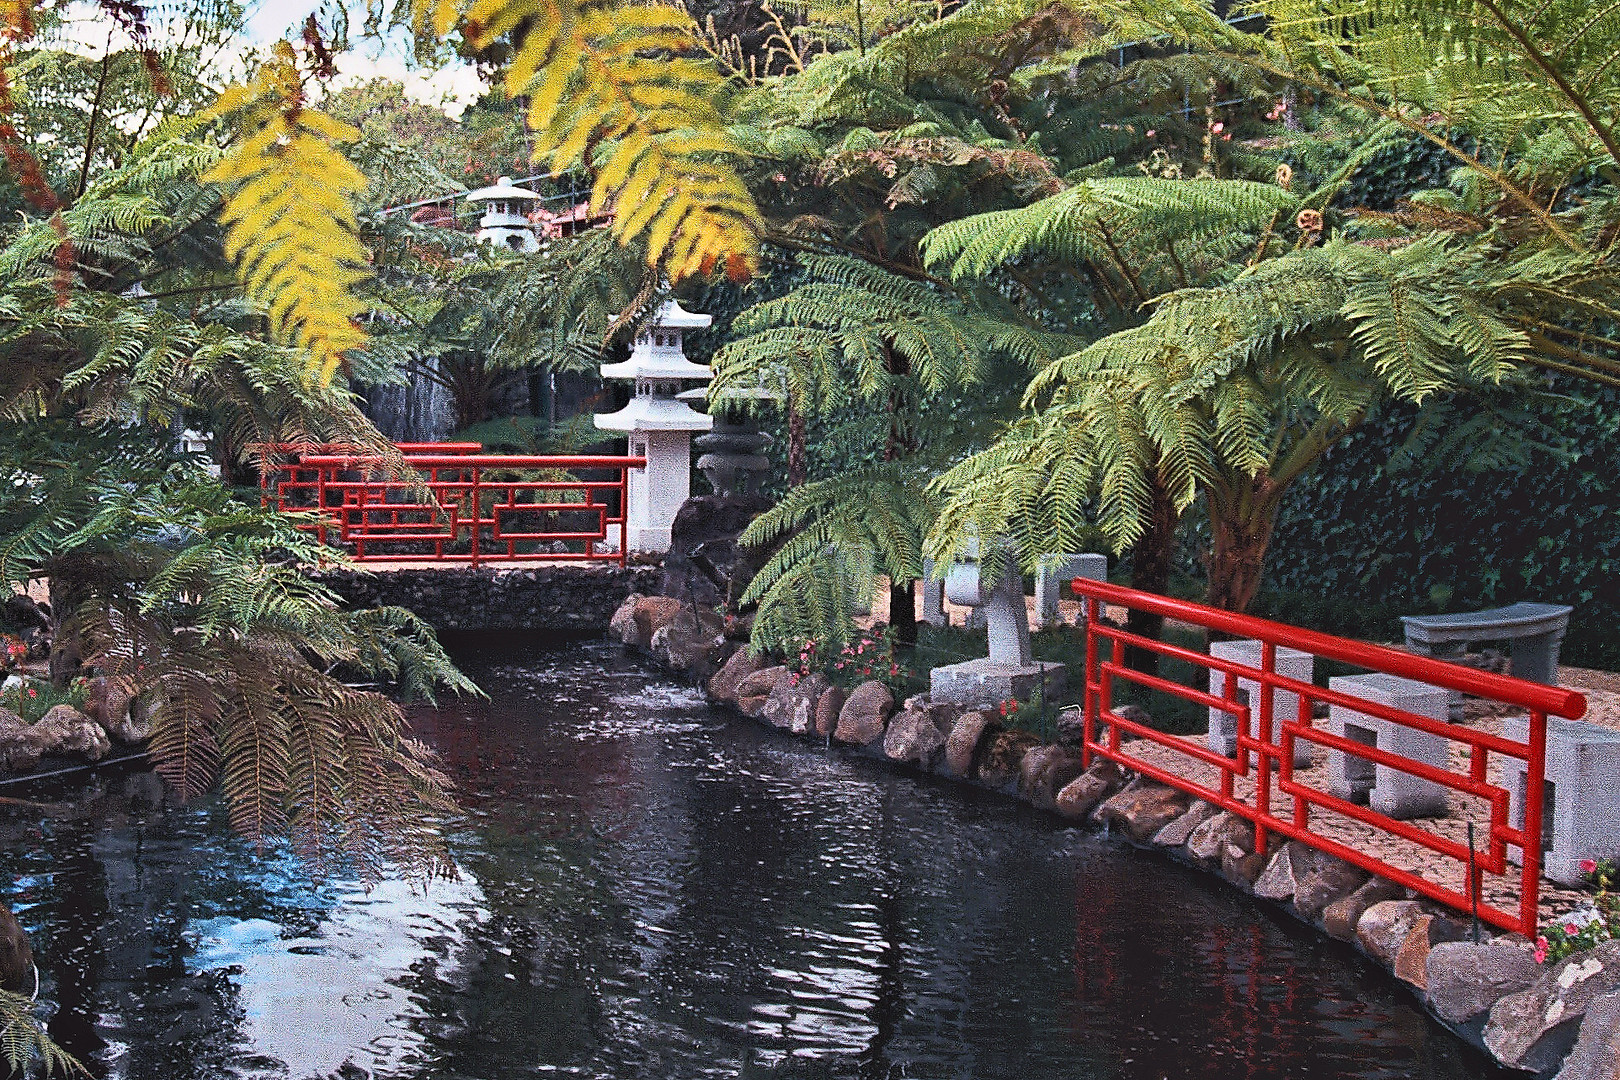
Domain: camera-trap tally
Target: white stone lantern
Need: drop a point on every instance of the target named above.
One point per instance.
(505, 221)
(659, 425)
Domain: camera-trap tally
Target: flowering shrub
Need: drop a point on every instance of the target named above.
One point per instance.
(1587, 927)
(15, 650)
(869, 657)
(36, 697)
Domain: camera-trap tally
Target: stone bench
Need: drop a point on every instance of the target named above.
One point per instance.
(1580, 816)
(1535, 631)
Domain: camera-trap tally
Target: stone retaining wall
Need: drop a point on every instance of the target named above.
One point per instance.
(1555, 1019)
(547, 598)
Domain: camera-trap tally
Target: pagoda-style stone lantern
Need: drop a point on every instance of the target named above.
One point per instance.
(505, 221)
(659, 425)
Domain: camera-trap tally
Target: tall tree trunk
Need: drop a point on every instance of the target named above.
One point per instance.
(903, 613)
(1241, 521)
(798, 466)
(67, 651)
(1150, 572)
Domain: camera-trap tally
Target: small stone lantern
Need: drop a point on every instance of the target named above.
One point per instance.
(659, 425)
(505, 221)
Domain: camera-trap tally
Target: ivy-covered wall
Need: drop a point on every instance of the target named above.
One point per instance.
(1362, 542)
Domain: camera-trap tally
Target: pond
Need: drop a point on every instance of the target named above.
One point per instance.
(653, 889)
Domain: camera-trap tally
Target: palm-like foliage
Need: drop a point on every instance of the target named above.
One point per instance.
(1233, 392)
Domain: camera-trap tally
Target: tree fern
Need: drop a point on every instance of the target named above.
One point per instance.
(648, 129)
(24, 1044)
(292, 223)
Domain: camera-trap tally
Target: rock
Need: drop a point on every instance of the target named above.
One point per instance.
(828, 707)
(1465, 980)
(963, 742)
(1535, 1028)
(1339, 918)
(1412, 958)
(1176, 833)
(1207, 842)
(754, 691)
(704, 563)
(1071, 726)
(1001, 763)
(913, 738)
(738, 627)
(723, 684)
(1384, 926)
(16, 957)
(1143, 808)
(1047, 770)
(24, 611)
(640, 617)
(1083, 794)
(690, 641)
(792, 703)
(622, 627)
(1597, 1048)
(1242, 867)
(1136, 715)
(1333, 879)
(66, 732)
(864, 715)
(20, 747)
(1279, 879)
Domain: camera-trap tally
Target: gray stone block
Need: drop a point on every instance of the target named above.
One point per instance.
(933, 597)
(1581, 799)
(987, 683)
(1300, 666)
(1387, 789)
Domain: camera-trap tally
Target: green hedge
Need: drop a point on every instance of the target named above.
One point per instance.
(1361, 542)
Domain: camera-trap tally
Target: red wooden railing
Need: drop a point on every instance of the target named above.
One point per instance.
(1265, 744)
(462, 506)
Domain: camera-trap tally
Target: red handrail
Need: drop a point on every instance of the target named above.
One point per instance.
(1270, 740)
(468, 515)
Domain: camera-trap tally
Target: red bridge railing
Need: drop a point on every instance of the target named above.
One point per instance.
(1281, 802)
(460, 506)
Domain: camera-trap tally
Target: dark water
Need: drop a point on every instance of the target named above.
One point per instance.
(654, 890)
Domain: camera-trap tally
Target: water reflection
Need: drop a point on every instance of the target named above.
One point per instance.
(652, 890)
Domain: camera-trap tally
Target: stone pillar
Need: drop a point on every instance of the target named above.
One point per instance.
(657, 492)
(1388, 790)
(933, 597)
(1300, 666)
(1053, 571)
(1581, 800)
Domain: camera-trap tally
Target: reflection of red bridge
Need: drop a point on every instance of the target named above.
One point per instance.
(453, 503)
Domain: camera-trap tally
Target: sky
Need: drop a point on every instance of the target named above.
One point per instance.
(452, 88)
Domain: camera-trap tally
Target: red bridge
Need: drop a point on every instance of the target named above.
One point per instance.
(452, 503)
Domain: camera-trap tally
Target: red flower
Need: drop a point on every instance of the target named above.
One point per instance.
(32, 692)
(1571, 928)
(1588, 866)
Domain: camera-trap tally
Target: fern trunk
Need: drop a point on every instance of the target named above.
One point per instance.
(1241, 519)
(1150, 572)
(798, 467)
(67, 649)
(903, 613)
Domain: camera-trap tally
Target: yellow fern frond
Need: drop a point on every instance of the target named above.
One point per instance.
(608, 88)
(290, 221)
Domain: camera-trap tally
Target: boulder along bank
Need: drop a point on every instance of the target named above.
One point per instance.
(1557, 1020)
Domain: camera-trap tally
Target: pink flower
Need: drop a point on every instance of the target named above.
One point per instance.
(1218, 128)
(1588, 866)
(1227, 137)
(1541, 950)
(32, 692)
(1571, 928)
(1151, 132)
